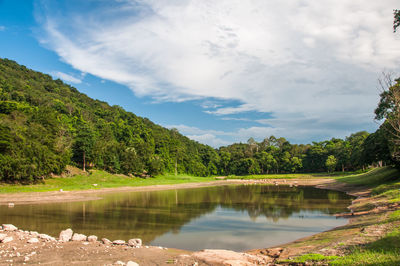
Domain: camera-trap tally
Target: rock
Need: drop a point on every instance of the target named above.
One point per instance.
(92, 238)
(7, 239)
(46, 237)
(9, 227)
(2, 236)
(131, 263)
(26, 258)
(135, 242)
(106, 241)
(33, 233)
(61, 190)
(11, 205)
(229, 257)
(274, 252)
(33, 240)
(79, 237)
(119, 242)
(66, 235)
(119, 263)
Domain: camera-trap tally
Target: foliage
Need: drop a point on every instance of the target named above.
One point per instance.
(396, 22)
(331, 163)
(46, 124)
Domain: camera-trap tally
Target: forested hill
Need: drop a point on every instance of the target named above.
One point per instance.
(46, 124)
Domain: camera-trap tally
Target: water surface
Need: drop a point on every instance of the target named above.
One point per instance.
(236, 217)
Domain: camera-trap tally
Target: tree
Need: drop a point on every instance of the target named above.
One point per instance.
(389, 109)
(396, 22)
(331, 163)
(84, 142)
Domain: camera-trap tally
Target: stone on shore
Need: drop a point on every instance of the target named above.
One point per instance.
(135, 242)
(33, 240)
(2, 236)
(131, 263)
(79, 237)
(46, 237)
(92, 238)
(9, 227)
(229, 257)
(7, 239)
(106, 241)
(119, 242)
(66, 235)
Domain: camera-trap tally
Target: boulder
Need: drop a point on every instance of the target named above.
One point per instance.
(135, 242)
(9, 227)
(33, 240)
(66, 235)
(106, 241)
(92, 238)
(7, 239)
(2, 236)
(131, 263)
(79, 237)
(119, 242)
(274, 252)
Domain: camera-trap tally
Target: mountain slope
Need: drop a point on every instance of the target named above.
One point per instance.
(46, 124)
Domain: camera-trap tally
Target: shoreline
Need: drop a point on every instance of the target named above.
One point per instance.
(86, 195)
(206, 257)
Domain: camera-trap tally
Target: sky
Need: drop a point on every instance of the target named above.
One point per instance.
(218, 71)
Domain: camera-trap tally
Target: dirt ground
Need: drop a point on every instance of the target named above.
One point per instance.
(362, 227)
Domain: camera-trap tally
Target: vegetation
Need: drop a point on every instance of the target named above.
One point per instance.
(46, 125)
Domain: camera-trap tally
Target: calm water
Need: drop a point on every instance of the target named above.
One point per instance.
(237, 217)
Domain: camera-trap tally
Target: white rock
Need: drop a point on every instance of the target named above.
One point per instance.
(135, 242)
(66, 235)
(79, 237)
(119, 263)
(92, 238)
(119, 242)
(106, 241)
(26, 258)
(7, 239)
(33, 240)
(33, 233)
(46, 237)
(9, 227)
(11, 205)
(131, 263)
(2, 236)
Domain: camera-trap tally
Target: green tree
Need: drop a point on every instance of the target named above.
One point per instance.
(331, 163)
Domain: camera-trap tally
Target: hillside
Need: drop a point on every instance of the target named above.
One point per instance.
(46, 124)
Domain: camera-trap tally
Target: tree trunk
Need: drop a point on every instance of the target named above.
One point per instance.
(84, 161)
(176, 167)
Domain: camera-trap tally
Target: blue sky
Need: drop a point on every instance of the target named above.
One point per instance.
(218, 71)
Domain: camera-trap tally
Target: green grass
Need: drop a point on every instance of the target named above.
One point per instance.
(385, 251)
(295, 176)
(310, 258)
(102, 179)
(371, 178)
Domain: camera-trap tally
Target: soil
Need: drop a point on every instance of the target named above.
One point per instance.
(363, 227)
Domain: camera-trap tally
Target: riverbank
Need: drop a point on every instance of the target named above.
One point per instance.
(94, 194)
(375, 215)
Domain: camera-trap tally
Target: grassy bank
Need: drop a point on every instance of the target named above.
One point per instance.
(104, 179)
(360, 241)
(99, 179)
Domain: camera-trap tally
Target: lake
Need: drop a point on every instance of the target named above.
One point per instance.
(236, 217)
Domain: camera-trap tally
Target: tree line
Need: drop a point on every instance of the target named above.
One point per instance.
(46, 124)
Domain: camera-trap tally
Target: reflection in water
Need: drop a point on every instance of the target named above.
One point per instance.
(236, 217)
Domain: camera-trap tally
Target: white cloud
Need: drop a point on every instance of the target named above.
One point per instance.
(309, 59)
(67, 77)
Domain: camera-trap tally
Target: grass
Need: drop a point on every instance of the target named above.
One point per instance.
(102, 179)
(385, 185)
(385, 251)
